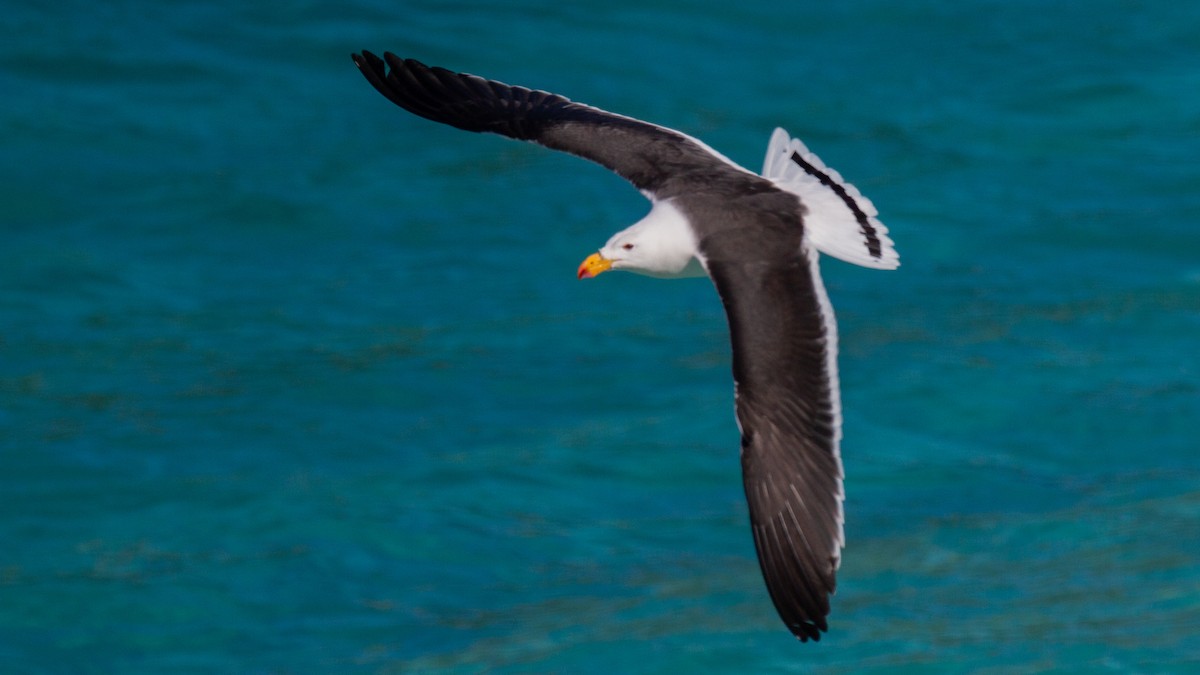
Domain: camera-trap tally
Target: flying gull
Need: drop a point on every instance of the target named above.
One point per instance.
(757, 238)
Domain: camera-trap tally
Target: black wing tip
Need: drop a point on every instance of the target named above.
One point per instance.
(799, 591)
(411, 85)
(805, 622)
(460, 100)
(380, 70)
(806, 618)
(390, 64)
(367, 56)
(806, 631)
(368, 62)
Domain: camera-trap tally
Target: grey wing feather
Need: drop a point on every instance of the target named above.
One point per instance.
(787, 407)
(647, 155)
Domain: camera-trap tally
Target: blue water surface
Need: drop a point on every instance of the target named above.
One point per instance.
(292, 381)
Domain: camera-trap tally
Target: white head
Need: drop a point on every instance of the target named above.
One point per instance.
(660, 245)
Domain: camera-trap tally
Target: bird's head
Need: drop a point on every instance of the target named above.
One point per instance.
(659, 245)
(621, 252)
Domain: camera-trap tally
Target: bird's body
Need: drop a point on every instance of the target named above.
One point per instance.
(757, 237)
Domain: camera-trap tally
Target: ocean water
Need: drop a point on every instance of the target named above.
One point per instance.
(293, 382)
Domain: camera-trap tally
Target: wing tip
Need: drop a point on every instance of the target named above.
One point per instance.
(809, 631)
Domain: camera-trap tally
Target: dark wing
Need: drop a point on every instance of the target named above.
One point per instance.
(788, 407)
(649, 156)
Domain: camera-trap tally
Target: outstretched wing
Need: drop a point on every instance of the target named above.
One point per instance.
(789, 410)
(651, 157)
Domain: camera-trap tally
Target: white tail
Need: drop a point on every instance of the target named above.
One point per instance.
(840, 221)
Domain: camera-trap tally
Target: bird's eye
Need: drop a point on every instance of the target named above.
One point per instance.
(627, 246)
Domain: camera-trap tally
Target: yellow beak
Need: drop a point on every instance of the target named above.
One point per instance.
(593, 265)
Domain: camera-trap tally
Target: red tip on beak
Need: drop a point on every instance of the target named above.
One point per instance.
(593, 265)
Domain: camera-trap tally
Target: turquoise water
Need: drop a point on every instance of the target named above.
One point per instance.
(293, 382)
